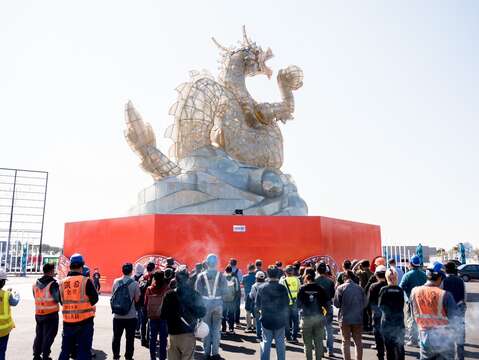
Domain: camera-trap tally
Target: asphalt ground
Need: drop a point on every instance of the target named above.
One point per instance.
(238, 346)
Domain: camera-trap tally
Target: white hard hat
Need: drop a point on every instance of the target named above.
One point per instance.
(202, 330)
(3, 274)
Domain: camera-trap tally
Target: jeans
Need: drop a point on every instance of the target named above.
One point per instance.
(413, 333)
(313, 332)
(293, 324)
(77, 334)
(143, 328)
(265, 347)
(378, 336)
(367, 318)
(45, 332)
(460, 330)
(259, 327)
(436, 343)
(129, 326)
(139, 316)
(329, 329)
(211, 343)
(229, 311)
(354, 331)
(237, 313)
(394, 342)
(248, 306)
(158, 327)
(3, 346)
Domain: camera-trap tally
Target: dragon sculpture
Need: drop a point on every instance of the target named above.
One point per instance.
(221, 136)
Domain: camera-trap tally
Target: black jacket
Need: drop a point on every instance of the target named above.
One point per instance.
(182, 302)
(272, 301)
(391, 303)
(455, 285)
(374, 289)
(312, 298)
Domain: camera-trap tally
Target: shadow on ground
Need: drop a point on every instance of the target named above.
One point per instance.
(100, 355)
(472, 297)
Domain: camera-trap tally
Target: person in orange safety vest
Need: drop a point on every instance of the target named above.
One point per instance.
(433, 308)
(78, 297)
(47, 298)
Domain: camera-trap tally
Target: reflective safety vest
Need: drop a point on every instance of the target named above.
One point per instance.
(76, 304)
(6, 321)
(44, 302)
(428, 307)
(292, 284)
(212, 292)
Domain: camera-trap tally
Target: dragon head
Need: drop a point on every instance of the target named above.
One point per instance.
(254, 56)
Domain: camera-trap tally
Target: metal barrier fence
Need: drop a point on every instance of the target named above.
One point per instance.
(401, 253)
(22, 212)
(21, 258)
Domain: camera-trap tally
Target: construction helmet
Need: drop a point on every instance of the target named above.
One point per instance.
(415, 261)
(76, 260)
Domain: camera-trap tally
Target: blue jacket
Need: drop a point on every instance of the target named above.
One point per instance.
(411, 279)
(248, 281)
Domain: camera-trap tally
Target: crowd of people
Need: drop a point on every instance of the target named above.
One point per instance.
(169, 309)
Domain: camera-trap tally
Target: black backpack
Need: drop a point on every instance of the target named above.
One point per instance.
(120, 301)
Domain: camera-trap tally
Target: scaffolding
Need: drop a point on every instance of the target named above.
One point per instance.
(23, 195)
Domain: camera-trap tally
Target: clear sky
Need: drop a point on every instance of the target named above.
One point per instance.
(386, 128)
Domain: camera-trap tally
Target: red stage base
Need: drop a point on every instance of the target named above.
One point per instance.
(107, 244)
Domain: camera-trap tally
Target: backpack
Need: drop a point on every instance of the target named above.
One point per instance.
(155, 302)
(230, 293)
(120, 301)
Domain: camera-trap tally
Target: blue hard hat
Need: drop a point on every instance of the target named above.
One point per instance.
(415, 261)
(212, 260)
(436, 268)
(77, 259)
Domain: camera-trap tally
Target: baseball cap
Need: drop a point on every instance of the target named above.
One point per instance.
(260, 275)
(380, 269)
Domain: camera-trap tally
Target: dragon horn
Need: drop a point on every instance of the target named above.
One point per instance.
(245, 37)
(221, 47)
